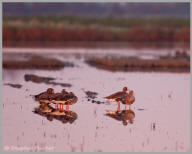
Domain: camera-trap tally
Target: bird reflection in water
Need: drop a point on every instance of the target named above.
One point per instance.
(126, 116)
(51, 113)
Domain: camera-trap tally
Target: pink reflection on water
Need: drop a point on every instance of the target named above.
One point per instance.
(161, 123)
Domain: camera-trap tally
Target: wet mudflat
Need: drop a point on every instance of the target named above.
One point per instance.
(159, 120)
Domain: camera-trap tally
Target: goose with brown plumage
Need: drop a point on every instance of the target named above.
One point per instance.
(128, 99)
(44, 96)
(117, 97)
(65, 99)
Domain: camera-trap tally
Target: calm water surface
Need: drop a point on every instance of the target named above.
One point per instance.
(162, 111)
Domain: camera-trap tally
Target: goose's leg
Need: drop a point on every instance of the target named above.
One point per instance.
(118, 108)
(62, 107)
(67, 107)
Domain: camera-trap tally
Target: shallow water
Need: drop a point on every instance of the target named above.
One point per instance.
(162, 112)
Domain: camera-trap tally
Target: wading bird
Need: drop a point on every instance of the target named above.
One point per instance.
(128, 99)
(65, 99)
(44, 96)
(117, 97)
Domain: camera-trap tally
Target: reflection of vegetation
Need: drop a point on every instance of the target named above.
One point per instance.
(68, 28)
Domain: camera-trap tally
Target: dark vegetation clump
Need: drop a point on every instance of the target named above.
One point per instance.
(62, 29)
(130, 64)
(13, 85)
(36, 63)
(46, 80)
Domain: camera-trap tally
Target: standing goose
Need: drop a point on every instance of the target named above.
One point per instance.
(44, 96)
(117, 97)
(45, 108)
(128, 99)
(66, 99)
(57, 96)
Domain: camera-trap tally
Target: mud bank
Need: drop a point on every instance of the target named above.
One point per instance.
(36, 63)
(46, 80)
(136, 64)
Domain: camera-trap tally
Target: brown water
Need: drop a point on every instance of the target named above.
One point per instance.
(162, 111)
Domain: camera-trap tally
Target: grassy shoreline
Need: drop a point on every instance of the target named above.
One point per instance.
(46, 21)
(95, 44)
(128, 64)
(67, 28)
(36, 62)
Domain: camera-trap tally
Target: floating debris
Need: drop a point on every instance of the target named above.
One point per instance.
(91, 95)
(13, 85)
(37, 79)
(46, 80)
(97, 102)
(140, 109)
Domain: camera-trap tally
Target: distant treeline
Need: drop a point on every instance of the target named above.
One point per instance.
(99, 9)
(96, 29)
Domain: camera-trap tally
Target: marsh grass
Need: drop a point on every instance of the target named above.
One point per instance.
(69, 28)
(35, 63)
(134, 64)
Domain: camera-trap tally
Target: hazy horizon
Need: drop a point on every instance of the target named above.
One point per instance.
(121, 9)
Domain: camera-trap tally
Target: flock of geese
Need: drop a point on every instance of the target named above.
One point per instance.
(59, 99)
(126, 97)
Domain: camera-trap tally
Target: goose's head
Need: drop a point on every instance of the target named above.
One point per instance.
(131, 92)
(125, 89)
(64, 91)
(124, 122)
(50, 91)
